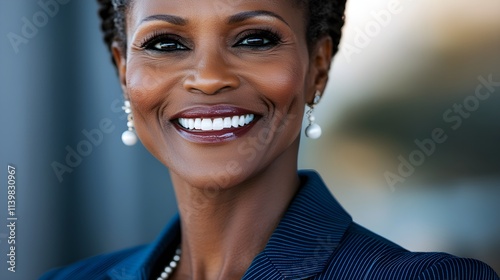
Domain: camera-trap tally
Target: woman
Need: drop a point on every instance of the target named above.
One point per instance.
(216, 90)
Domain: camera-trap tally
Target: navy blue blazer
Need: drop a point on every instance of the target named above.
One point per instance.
(316, 239)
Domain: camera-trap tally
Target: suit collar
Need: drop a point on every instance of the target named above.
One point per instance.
(300, 247)
(308, 234)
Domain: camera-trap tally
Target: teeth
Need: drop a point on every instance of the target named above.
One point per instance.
(216, 123)
(206, 124)
(235, 121)
(227, 122)
(197, 123)
(248, 118)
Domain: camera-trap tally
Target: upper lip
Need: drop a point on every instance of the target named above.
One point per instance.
(215, 111)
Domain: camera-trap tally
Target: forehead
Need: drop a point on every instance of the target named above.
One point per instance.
(215, 10)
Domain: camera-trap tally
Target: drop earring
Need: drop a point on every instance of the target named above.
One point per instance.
(313, 130)
(129, 137)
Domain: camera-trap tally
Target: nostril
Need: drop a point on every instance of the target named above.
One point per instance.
(211, 83)
(211, 73)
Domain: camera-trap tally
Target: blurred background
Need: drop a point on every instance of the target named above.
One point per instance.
(410, 133)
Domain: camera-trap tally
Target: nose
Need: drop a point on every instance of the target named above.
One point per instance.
(211, 74)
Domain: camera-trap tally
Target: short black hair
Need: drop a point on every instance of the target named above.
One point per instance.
(324, 17)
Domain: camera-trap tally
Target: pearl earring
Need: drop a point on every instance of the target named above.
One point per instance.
(313, 130)
(129, 137)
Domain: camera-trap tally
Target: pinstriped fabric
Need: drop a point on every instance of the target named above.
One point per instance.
(466, 269)
(308, 234)
(315, 240)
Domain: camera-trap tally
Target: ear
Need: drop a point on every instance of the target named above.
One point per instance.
(121, 65)
(320, 61)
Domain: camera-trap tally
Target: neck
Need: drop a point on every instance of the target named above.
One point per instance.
(223, 232)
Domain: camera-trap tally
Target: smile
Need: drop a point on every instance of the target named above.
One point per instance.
(214, 124)
(209, 124)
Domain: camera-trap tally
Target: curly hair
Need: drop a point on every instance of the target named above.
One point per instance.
(325, 17)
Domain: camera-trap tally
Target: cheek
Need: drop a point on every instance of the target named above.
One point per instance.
(144, 84)
(142, 89)
(149, 85)
(281, 82)
(146, 90)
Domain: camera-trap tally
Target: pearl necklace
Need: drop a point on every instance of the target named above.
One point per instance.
(169, 269)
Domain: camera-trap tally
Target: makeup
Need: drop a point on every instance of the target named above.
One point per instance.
(214, 124)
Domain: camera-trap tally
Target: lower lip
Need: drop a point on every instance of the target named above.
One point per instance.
(214, 136)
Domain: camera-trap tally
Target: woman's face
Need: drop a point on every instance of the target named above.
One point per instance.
(217, 88)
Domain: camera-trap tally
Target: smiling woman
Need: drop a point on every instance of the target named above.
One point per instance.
(216, 91)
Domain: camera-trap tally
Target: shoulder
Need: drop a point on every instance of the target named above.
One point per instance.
(95, 268)
(451, 267)
(363, 254)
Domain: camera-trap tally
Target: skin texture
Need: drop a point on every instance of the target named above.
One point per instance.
(232, 194)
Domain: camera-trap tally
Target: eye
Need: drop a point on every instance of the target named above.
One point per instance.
(255, 41)
(259, 39)
(163, 43)
(168, 46)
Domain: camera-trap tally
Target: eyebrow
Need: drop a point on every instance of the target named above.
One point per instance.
(167, 18)
(237, 18)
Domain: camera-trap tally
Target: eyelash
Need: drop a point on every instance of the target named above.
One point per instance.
(272, 37)
(149, 42)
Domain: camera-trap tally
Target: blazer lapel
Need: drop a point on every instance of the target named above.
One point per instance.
(307, 236)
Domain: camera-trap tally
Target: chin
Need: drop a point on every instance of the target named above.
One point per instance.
(215, 178)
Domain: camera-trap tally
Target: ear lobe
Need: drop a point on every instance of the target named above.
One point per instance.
(121, 65)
